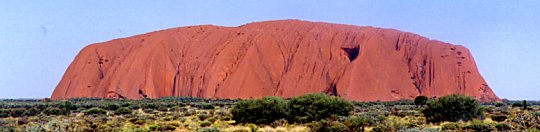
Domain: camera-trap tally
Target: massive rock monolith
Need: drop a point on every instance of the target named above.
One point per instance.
(274, 58)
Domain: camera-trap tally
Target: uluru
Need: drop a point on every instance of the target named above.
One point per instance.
(283, 58)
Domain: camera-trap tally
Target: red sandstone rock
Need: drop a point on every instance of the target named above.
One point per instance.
(273, 58)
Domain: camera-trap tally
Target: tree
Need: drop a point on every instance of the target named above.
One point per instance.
(420, 100)
(452, 108)
(67, 107)
(259, 111)
(315, 107)
(524, 104)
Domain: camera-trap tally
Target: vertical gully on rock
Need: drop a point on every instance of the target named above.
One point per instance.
(100, 63)
(174, 83)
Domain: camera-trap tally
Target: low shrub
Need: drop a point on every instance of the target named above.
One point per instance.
(252, 127)
(149, 106)
(212, 119)
(392, 125)
(138, 121)
(52, 111)
(190, 113)
(327, 126)
(499, 117)
(95, 111)
(4, 113)
(202, 117)
(213, 129)
(226, 118)
(517, 104)
(480, 126)
(206, 106)
(499, 104)
(31, 112)
(112, 106)
(123, 111)
(153, 127)
(357, 123)
(18, 112)
(163, 108)
(182, 119)
(168, 126)
(536, 114)
(451, 126)
(148, 111)
(205, 123)
(22, 121)
(503, 127)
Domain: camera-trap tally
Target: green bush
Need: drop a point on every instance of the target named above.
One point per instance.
(22, 121)
(259, 111)
(153, 127)
(499, 104)
(535, 114)
(52, 111)
(67, 107)
(252, 127)
(532, 130)
(95, 111)
(314, 107)
(392, 125)
(503, 127)
(499, 117)
(420, 100)
(452, 108)
(163, 108)
(168, 126)
(123, 111)
(18, 112)
(149, 111)
(213, 129)
(451, 126)
(517, 104)
(4, 113)
(357, 123)
(212, 119)
(149, 106)
(113, 106)
(480, 126)
(206, 106)
(138, 121)
(202, 117)
(31, 112)
(327, 126)
(375, 117)
(205, 123)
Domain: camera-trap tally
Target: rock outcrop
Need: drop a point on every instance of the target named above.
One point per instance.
(273, 58)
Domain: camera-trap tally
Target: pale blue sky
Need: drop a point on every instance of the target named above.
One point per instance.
(40, 38)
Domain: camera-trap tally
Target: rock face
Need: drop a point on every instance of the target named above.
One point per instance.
(274, 58)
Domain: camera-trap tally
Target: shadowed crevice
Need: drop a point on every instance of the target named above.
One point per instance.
(352, 53)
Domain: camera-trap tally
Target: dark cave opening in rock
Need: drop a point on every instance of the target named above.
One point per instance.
(352, 53)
